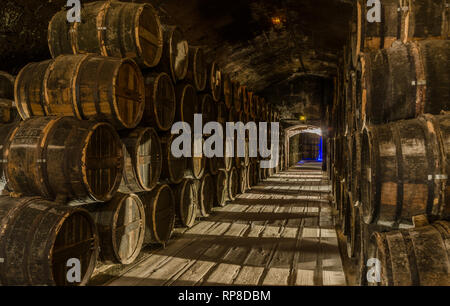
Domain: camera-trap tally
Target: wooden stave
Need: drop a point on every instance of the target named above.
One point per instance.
(167, 63)
(221, 184)
(102, 13)
(180, 193)
(197, 78)
(40, 257)
(206, 195)
(233, 183)
(214, 83)
(167, 170)
(187, 103)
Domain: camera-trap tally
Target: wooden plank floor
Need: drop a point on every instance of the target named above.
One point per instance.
(279, 233)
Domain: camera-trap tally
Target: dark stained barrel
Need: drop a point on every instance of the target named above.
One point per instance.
(186, 199)
(82, 86)
(121, 228)
(221, 183)
(424, 19)
(160, 104)
(377, 35)
(415, 257)
(173, 168)
(404, 170)
(187, 103)
(6, 86)
(214, 82)
(237, 95)
(114, 29)
(51, 156)
(175, 57)
(160, 214)
(233, 183)
(8, 111)
(405, 81)
(143, 160)
(38, 238)
(227, 90)
(197, 69)
(206, 195)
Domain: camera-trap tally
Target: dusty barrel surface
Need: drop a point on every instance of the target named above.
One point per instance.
(214, 82)
(422, 19)
(121, 228)
(52, 156)
(415, 257)
(221, 184)
(206, 195)
(405, 81)
(37, 240)
(198, 69)
(160, 214)
(186, 198)
(175, 57)
(109, 28)
(82, 86)
(143, 160)
(405, 170)
(160, 101)
(173, 168)
(187, 103)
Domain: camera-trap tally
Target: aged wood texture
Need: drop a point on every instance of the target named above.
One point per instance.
(175, 56)
(173, 168)
(186, 199)
(197, 73)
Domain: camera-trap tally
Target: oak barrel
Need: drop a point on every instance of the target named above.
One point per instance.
(197, 69)
(242, 172)
(206, 195)
(173, 168)
(37, 239)
(8, 111)
(160, 214)
(121, 228)
(187, 103)
(143, 160)
(82, 86)
(175, 56)
(160, 101)
(109, 28)
(221, 184)
(404, 170)
(51, 156)
(214, 82)
(208, 108)
(233, 183)
(186, 198)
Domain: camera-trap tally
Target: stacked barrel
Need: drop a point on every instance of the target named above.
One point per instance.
(390, 142)
(89, 169)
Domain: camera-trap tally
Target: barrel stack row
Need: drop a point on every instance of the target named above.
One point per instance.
(389, 142)
(86, 162)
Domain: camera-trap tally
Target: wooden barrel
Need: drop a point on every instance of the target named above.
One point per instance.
(6, 86)
(415, 257)
(206, 195)
(227, 90)
(173, 168)
(250, 176)
(82, 86)
(213, 165)
(225, 162)
(175, 56)
(222, 114)
(143, 160)
(197, 69)
(160, 214)
(422, 19)
(161, 103)
(354, 231)
(233, 183)
(404, 169)
(196, 167)
(109, 28)
(237, 95)
(377, 35)
(8, 111)
(356, 167)
(214, 81)
(186, 198)
(38, 239)
(121, 228)
(187, 103)
(405, 81)
(52, 156)
(207, 108)
(242, 172)
(221, 184)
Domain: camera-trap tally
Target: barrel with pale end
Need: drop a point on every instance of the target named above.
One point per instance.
(143, 160)
(206, 195)
(405, 169)
(160, 214)
(242, 173)
(414, 257)
(83, 86)
(197, 69)
(175, 57)
(38, 244)
(173, 168)
(160, 101)
(233, 183)
(109, 28)
(186, 201)
(221, 183)
(121, 228)
(62, 156)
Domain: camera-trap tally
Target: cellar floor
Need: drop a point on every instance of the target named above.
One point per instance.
(280, 232)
